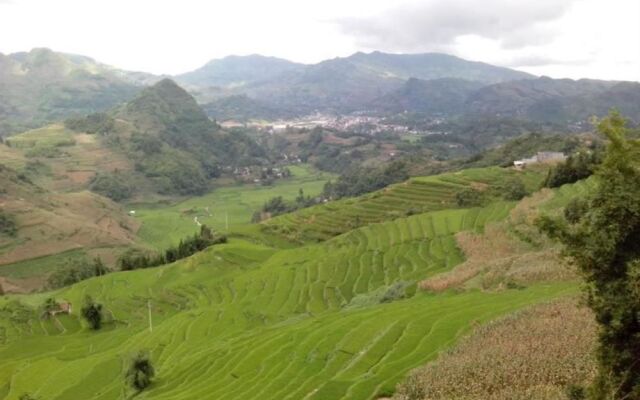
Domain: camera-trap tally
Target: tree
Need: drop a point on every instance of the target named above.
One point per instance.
(469, 197)
(99, 268)
(514, 189)
(92, 313)
(140, 372)
(604, 242)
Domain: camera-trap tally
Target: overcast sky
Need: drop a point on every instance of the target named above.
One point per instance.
(558, 38)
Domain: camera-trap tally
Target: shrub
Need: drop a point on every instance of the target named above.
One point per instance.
(92, 313)
(7, 224)
(140, 372)
(115, 186)
(576, 167)
(575, 210)
(514, 190)
(469, 197)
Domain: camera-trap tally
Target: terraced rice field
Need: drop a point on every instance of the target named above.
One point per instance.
(418, 195)
(339, 319)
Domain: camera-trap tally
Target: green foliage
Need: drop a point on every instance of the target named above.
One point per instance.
(604, 246)
(278, 205)
(50, 304)
(362, 180)
(70, 274)
(114, 185)
(514, 189)
(92, 313)
(469, 197)
(8, 224)
(133, 259)
(576, 392)
(101, 123)
(140, 372)
(76, 270)
(576, 167)
(576, 208)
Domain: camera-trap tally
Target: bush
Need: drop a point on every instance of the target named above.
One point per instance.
(92, 313)
(575, 210)
(140, 372)
(7, 224)
(575, 168)
(469, 197)
(115, 186)
(514, 190)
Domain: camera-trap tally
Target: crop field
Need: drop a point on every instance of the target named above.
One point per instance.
(341, 318)
(417, 195)
(164, 225)
(246, 321)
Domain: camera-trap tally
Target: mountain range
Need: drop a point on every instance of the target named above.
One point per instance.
(43, 86)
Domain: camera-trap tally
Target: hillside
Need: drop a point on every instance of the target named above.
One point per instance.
(337, 319)
(43, 86)
(175, 144)
(49, 223)
(440, 97)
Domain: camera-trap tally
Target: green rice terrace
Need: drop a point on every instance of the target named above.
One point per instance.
(331, 310)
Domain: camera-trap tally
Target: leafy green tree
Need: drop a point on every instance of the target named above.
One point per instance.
(514, 189)
(140, 372)
(469, 197)
(605, 245)
(92, 313)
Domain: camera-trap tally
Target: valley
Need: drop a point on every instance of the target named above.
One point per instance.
(358, 222)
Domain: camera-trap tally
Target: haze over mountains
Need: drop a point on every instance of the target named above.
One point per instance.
(42, 86)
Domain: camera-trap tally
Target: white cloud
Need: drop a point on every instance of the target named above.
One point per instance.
(575, 38)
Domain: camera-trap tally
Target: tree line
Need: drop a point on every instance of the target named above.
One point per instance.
(187, 247)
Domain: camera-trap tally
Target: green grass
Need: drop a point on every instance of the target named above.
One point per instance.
(245, 320)
(166, 225)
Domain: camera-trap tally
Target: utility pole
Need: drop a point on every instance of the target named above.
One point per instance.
(149, 308)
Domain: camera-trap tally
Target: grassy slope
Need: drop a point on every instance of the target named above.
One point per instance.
(244, 320)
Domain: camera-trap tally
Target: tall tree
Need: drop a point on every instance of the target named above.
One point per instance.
(604, 242)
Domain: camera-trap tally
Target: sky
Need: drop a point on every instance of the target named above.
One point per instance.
(558, 38)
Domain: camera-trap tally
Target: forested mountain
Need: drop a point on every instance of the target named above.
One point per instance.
(444, 96)
(338, 85)
(174, 143)
(42, 86)
(238, 71)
